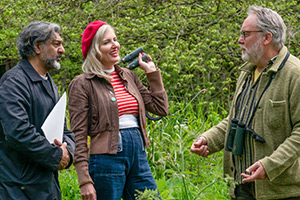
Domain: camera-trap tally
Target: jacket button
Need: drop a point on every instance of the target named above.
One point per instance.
(231, 168)
(144, 126)
(142, 109)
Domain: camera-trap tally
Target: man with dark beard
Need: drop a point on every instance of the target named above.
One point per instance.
(261, 135)
(29, 164)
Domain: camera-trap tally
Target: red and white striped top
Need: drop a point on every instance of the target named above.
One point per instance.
(127, 104)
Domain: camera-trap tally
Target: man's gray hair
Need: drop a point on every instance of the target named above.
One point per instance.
(270, 21)
(35, 32)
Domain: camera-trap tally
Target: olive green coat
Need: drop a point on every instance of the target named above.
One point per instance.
(277, 120)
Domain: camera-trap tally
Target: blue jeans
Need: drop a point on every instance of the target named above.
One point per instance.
(120, 175)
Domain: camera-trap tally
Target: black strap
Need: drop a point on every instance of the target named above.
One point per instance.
(239, 99)
(271, 78)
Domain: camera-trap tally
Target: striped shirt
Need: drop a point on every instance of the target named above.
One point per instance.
(244, 110)
(127, 104)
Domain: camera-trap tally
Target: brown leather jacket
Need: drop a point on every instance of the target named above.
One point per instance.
(93, 112)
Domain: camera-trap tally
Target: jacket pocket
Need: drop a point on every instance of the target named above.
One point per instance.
(94, 118)
(275, 113)
(99, 120)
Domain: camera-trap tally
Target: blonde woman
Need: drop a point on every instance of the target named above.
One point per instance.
(108, 103)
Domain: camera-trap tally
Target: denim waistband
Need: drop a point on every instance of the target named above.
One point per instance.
(130, 128)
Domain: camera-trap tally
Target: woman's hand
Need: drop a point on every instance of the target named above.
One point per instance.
(88, 192)
(147, 66)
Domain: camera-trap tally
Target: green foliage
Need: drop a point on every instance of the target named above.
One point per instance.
(193, 42)
(147, 195)
(69, 184)
(179, 173)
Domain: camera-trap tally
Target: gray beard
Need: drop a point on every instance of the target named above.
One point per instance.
(55, 64)
(253, 55)
(52, 63)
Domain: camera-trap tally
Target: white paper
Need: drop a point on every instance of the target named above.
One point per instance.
(53, 126)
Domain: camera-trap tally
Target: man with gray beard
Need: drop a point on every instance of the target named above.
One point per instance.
(29, 164)
(261, 134)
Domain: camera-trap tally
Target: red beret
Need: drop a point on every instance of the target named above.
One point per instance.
(88, 35)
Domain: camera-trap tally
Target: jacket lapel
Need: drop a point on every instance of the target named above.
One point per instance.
(48, 88)
(55, 89)
(35, 77)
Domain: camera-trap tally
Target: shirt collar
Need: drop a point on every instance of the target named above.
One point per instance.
(109, 71)
(271, 62)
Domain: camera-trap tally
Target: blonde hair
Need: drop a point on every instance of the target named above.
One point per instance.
(92, 63)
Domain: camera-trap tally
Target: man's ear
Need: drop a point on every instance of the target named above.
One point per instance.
(37, 48)
(268, 38)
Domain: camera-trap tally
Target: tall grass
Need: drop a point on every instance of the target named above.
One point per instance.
(69, 184)
(179, 174)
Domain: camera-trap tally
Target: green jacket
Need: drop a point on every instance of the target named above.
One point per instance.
(277, 120)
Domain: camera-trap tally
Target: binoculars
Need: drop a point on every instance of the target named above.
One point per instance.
(133, 59)
(236, 136)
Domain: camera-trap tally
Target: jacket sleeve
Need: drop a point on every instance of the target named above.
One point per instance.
(216, 136)
(156, 100)
(68, 137)
(20, 134)
(78, 109)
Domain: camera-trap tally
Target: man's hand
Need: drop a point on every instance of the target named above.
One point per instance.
(199, 147)
(88, 192)
(256, 170)
(66, 156)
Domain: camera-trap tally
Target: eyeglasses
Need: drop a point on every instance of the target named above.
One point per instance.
(247, 33)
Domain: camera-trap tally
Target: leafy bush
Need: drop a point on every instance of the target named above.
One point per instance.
(193, 42)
